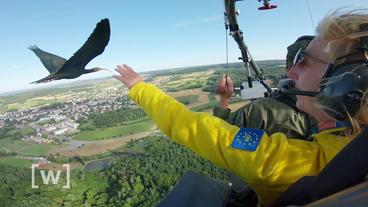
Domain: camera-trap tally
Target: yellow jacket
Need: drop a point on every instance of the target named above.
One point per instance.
(269, 164)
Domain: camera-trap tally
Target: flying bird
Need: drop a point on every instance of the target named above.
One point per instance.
(60, 68)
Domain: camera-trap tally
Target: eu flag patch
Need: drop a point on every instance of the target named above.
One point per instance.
(247, 139)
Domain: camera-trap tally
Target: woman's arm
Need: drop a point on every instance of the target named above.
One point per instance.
(249, 153)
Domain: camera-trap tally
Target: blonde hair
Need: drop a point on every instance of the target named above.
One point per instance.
(360, 118)
(341, 30)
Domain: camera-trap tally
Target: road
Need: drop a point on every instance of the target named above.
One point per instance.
(85, 148)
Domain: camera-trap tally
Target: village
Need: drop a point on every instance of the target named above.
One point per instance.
(58, 122)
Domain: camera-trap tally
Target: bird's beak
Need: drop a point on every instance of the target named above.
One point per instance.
(98, 69)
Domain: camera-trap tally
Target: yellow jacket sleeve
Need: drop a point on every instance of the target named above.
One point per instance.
(275, 164)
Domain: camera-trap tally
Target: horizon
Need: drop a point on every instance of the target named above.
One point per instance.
(148, 36)
(77, 80)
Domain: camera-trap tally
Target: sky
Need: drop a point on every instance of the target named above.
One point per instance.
(148, 35)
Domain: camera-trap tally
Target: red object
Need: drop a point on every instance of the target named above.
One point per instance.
(42, 164)
(266, 7)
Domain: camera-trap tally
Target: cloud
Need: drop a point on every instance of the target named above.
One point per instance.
(193, 22)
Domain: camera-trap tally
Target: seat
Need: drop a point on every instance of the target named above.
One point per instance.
(348, 168)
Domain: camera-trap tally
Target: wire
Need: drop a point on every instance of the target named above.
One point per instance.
(227, 48)
(310, 14)
(227, 57)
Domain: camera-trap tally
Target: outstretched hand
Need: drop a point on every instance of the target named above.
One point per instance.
(127, 75)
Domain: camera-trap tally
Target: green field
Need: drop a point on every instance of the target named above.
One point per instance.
(188, 99)
(203, 107)
(30, 103)
(38, 149)
(26, 130)
(16, 162)
(89, 126)
(26, 148)
(3, 108)
(111, 132)
(6, 144)
(22, 148)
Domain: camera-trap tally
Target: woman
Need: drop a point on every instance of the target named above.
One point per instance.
(269, 164)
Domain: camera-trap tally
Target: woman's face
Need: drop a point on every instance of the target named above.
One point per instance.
(307, 73)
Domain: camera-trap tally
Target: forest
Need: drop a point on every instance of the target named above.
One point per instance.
(111, 118)
(141, 174)
(145, 178)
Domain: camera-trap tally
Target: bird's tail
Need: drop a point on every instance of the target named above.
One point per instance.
(33, 47)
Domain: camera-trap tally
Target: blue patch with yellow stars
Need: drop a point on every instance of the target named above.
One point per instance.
(247, 139)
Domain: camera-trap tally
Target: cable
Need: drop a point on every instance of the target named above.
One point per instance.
(310, 14)
(227, 50)
(227, 47)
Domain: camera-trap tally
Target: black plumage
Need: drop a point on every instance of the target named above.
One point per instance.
(60, 68)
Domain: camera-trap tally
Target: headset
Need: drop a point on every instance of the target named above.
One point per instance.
(344, 83)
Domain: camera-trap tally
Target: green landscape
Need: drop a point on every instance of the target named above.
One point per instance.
(24, 148)
(142, 179)
(89, 121)
(112, 132)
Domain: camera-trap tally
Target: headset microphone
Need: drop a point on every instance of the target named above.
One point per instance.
(287, 86)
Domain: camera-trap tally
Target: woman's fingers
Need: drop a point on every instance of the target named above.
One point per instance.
(128, 67)
(117, 77)
(124, 69)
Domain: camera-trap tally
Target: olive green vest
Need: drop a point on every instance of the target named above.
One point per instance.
(270, 115)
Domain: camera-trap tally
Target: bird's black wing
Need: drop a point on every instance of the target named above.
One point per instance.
(93, 47)
(48, 78)
(51, 62)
